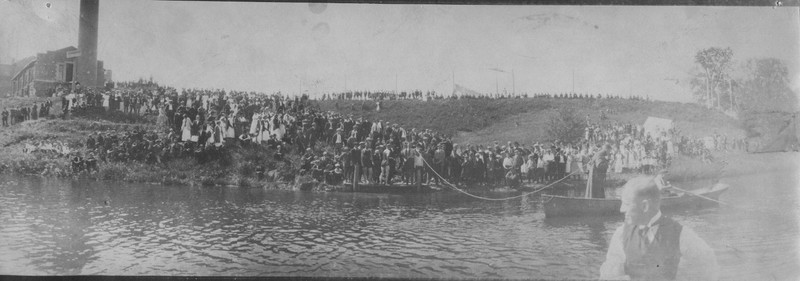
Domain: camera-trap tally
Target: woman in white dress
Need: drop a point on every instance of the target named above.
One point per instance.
(105, 101)
(208, 134)
(254, 123)
(257, 132)
(264, 135)
(161, 120)
(186, 129)
(618, 162)
(629, 158)
(219, 134)
(640, 157)
(229, 131)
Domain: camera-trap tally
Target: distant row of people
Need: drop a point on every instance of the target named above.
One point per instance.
(11, 116)
(432, 95)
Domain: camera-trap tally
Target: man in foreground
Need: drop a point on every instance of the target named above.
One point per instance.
(650, 246)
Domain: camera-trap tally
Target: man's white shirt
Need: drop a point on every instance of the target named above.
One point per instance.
(697, 262)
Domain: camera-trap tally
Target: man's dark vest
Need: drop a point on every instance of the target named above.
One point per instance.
(657, 260)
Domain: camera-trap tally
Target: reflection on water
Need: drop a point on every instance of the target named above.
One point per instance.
(59, 227)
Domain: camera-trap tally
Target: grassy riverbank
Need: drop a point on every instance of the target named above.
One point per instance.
(473, 121)
(238, 167)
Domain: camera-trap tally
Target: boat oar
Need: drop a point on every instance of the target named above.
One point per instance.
(700, 196)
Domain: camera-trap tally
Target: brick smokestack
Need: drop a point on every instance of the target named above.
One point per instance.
(86, 64)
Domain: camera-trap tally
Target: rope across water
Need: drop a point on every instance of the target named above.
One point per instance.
(493, 199)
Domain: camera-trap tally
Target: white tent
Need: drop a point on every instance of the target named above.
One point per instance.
(654, 126)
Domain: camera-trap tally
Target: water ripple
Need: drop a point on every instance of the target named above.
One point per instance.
(58, 227)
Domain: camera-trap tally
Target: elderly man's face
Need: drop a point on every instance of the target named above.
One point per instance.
(635, 209)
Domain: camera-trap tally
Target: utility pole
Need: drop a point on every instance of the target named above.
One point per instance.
(395, 83)
(496, 85)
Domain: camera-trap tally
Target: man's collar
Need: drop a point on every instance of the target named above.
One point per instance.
(654, 219)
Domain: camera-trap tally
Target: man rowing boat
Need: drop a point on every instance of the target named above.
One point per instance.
(650, 246)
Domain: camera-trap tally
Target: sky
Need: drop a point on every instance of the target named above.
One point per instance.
(318, 48)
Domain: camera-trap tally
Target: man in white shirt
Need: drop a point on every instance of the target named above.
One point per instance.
(650, 246)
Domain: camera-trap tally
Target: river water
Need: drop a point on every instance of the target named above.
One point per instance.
(50, 226)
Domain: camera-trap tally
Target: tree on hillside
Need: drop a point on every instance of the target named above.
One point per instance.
(765, 86)
(708, 86)
(565, 125)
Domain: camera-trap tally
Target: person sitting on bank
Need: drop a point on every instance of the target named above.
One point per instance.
(278, 153)
(77, 163)
(338, 175)
(651, 246)
(244, 138)
(91, 163)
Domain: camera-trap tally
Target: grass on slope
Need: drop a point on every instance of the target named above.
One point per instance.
(524, 120)
(446, 116)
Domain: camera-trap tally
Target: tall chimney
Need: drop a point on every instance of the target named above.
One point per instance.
(86, 63)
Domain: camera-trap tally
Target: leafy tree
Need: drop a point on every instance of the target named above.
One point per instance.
(709, 85)
(765, 87)
(565, 125)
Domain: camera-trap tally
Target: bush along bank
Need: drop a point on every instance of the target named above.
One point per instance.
(51, 148)
(228, 166)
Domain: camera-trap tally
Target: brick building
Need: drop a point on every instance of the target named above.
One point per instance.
(41, 75)
(46, 71)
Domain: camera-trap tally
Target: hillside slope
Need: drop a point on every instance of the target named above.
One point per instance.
(524, 120)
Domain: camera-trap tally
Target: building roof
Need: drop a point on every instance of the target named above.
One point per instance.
(29, 61)
(22, 65)
(67, 48)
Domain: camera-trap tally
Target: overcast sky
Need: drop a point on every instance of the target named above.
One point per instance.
(284, 46)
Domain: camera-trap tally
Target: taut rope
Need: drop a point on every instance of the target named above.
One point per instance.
(492, 199)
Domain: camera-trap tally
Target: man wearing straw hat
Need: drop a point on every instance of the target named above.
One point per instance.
(650, 246)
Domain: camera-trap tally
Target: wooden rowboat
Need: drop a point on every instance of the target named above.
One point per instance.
(558, 206)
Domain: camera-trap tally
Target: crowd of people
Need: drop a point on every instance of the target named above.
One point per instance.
(16, 115)
(376, 152)
(337, 149)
